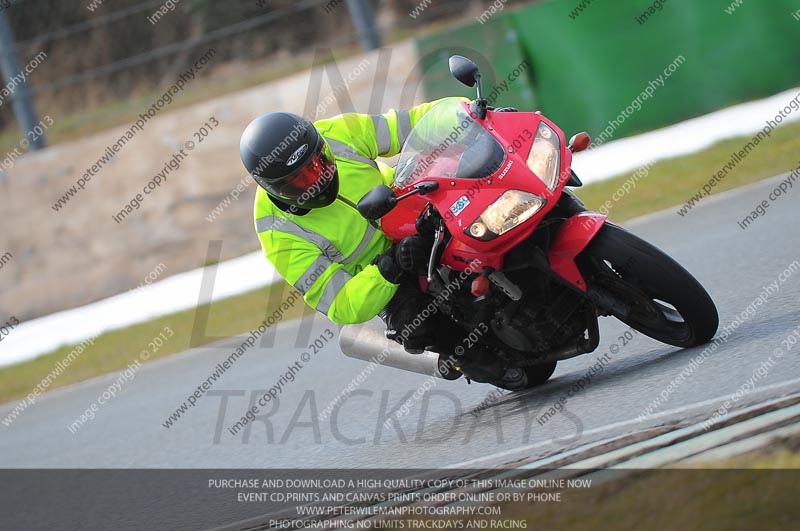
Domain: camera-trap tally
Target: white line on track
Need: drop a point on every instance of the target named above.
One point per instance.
(516, 452)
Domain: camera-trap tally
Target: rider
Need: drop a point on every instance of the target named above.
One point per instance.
(310, 177)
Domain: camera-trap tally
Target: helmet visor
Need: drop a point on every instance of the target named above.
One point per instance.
(310, 179)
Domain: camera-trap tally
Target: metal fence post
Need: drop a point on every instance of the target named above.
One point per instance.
(21, 99)
(364, 22)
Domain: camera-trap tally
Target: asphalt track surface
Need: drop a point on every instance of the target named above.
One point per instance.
(440, 431)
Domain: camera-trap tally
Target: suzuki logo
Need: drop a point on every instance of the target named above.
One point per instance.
(506, 170)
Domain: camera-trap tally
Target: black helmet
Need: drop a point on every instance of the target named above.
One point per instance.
(288, 157)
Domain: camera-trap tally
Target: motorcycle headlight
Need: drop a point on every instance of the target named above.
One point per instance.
(544, 158)
(512, 208)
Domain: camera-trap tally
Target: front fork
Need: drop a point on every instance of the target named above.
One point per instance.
(572, 238)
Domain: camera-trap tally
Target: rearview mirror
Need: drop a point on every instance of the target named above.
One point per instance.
(377, 203)
(464, 70)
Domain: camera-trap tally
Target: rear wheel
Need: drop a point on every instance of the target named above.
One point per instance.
(664, 300)
(539, 374)
(525, 378)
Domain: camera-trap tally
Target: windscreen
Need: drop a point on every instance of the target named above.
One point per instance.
(447, 142)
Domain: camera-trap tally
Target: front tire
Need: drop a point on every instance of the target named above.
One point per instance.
(665, 301)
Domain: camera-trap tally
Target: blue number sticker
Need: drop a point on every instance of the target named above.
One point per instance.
(459, 205)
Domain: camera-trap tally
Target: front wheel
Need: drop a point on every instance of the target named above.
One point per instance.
(664, 301)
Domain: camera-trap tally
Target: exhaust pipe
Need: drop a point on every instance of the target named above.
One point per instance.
(368, 342)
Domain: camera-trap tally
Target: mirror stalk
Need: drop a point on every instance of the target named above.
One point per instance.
(380, 200)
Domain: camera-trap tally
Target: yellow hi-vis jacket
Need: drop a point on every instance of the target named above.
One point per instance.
(326, 253)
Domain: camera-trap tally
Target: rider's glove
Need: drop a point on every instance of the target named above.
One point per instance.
(413, 254)
(388, 266)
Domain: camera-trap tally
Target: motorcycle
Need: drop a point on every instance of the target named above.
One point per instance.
(519, 270)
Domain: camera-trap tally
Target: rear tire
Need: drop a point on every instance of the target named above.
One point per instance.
(667, 303)
(518, 379)
(539, 374)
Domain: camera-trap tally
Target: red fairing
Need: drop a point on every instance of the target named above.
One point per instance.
(462, 199)
(572, 238)
(402, 220)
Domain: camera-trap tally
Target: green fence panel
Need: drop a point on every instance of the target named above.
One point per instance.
(591, 69)
(497, 49)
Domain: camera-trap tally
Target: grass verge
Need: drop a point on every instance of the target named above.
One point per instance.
(115, 350)
(668, 183)
(753, 491)
(672, 182)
